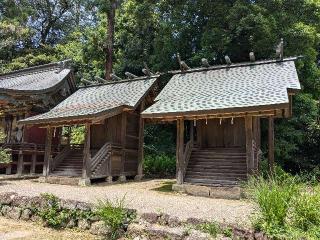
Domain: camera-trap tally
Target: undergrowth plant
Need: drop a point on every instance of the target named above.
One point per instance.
(287, 207)
(214, 229)
(114, 215)
(159, 165)
(51, 213)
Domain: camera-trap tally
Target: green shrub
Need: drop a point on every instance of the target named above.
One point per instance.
(273, 197)
(305, 212)
(52, 214)
(159, 165)
(5, 155)
(114, 215)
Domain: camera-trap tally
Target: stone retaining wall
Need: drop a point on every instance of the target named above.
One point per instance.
(25, 208)
(81, 215)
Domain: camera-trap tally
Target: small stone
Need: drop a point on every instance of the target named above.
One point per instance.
(68, 204)
(36, 202)
(135, 229)
(194, 221)
(260, 236)
(174, 221)
(83, 206)
(26, 214)
(150, 217)
(5, 209)
(100, 228)
(164, 219)
(84, 224)
(159, 231)
(71, 224)
(7, 198)
(14, 213)
(20, 201)
(36, 218)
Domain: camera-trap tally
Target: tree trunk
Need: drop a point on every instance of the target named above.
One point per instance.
(110, 39)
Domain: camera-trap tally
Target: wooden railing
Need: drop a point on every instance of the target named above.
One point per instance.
(29, 147)
(100, 159)
(186, 155)
(60, 156)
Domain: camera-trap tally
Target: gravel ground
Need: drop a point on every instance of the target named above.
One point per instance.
(144, 197)
(21, 230)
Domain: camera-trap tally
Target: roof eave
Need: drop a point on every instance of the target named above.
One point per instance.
(204, 113)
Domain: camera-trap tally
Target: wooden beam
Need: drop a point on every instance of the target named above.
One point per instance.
(249, 145)
(140, 147)
(122, 176)
(86, 166)
(180, 151)
(47, 152)
(271, 145)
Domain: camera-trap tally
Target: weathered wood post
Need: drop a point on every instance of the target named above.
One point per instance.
(20, 163)
(33, 161)
(86, 163)
(180, 151)
(122, 177)
(271, 145)
(47, 152)
(191, 133)
(140, 150)
(249, 145)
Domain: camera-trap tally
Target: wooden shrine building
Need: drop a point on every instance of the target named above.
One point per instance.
(25, 93)
(218, 110)
(113, 145)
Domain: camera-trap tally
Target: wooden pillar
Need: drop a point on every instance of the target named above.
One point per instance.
(180, 151)
(86, 164)
(20, 163)
(249, 144)
(122, 176)
(47, 152)
(33, 161)
(199, 133)
(271, 145)
(140, 150)
(191, 132)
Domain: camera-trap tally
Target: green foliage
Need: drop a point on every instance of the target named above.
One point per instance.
(77, 135)
(287, 207)
(35, 32)
(159, 165)
(214, 229)
(52, 214)
(5, 154)
(114, 215)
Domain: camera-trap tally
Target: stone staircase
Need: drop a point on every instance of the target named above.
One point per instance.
(217, 167)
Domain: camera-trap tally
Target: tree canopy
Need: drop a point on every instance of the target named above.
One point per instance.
(34, 32)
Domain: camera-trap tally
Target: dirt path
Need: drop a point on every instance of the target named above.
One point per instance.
(146, 196)
(21, 230)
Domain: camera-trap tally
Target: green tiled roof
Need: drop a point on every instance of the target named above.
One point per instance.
(34, 80)
(94, 101)
(227, 89)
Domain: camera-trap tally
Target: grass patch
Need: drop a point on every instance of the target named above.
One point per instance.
(114, 215)
(288, 208)
(166, 187)
(213, 228)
